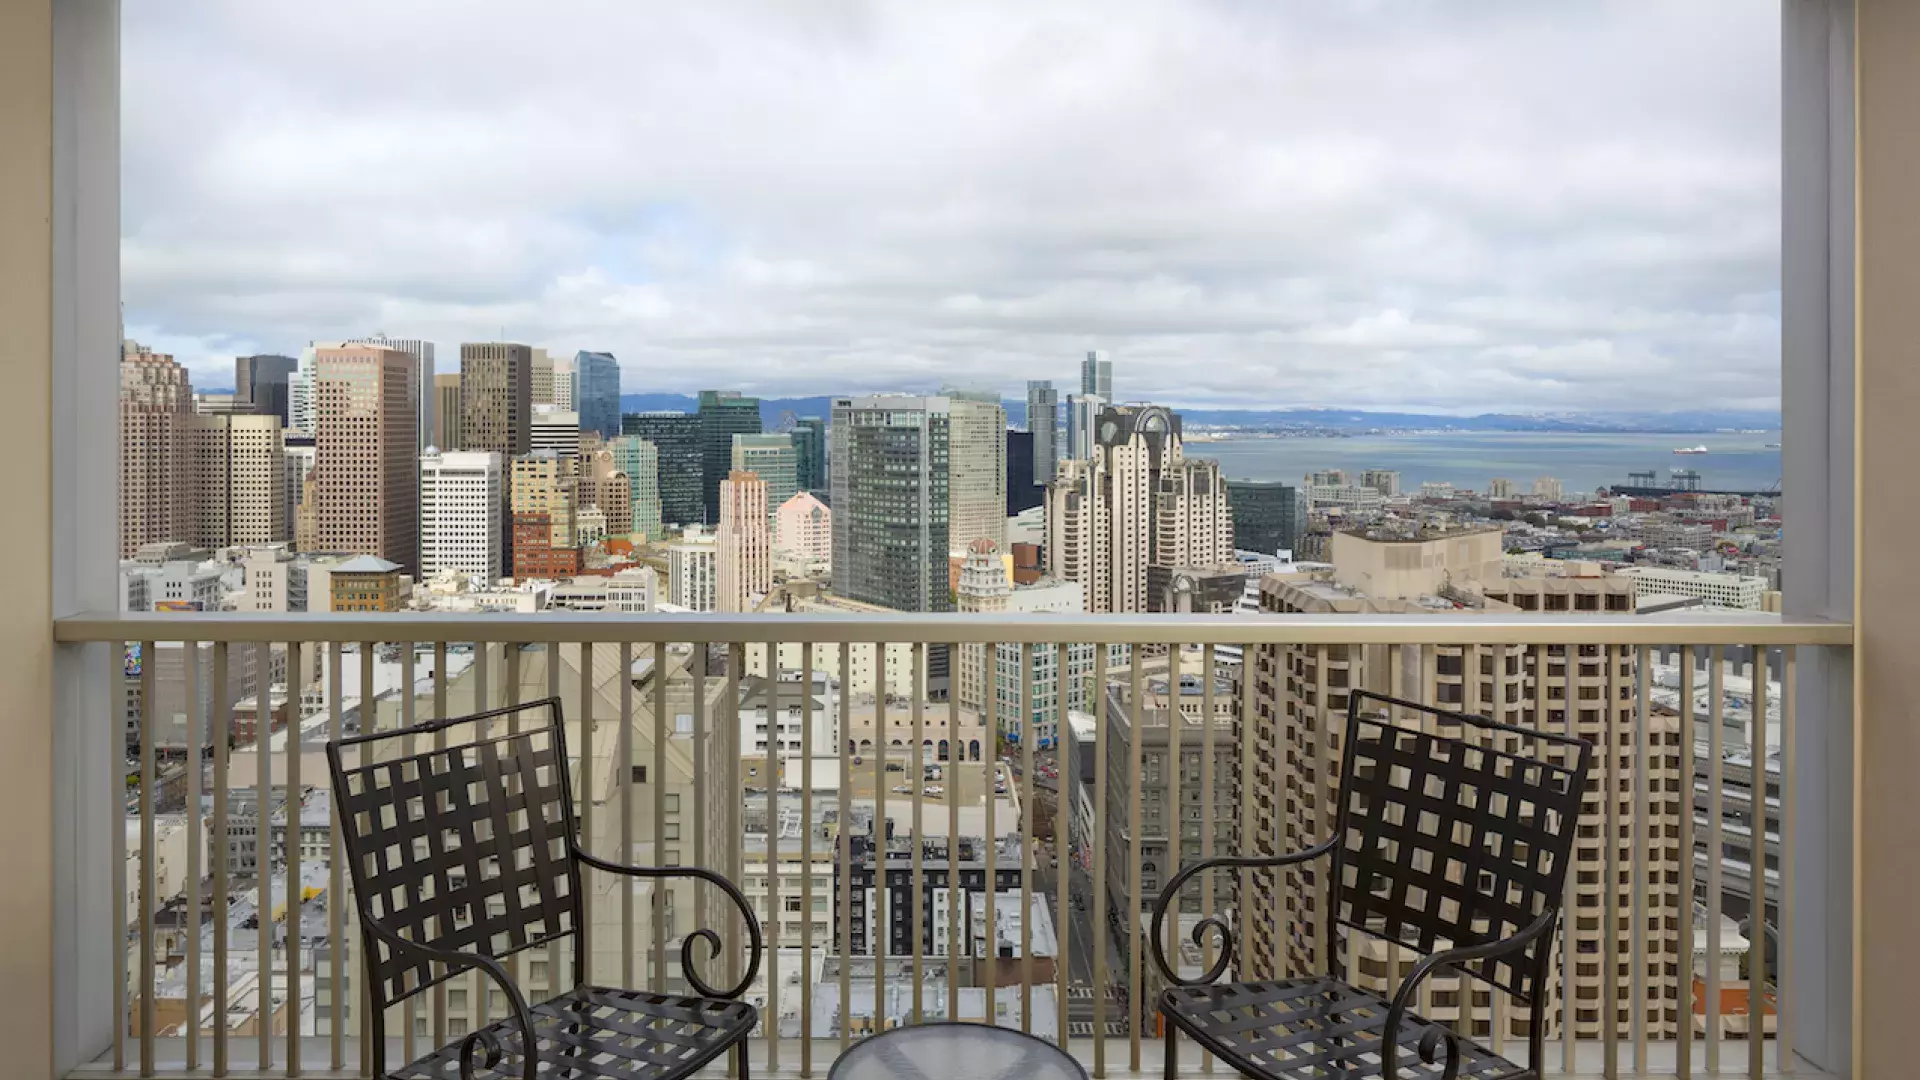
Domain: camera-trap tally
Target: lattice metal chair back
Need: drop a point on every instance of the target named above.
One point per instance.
(467, 853)
(1445, 843)
(1456, 849)
(461, 848)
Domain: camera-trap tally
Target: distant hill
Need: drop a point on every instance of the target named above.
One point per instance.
(772, 409)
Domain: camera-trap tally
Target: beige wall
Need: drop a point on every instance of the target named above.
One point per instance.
(26, 643)
(1887, 595)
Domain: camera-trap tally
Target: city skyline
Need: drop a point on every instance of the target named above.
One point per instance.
(1243, 205)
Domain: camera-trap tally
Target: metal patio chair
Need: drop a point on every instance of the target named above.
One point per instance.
(1454, 850)
(465, 854)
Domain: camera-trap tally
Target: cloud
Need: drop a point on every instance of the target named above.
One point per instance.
(1456, 207)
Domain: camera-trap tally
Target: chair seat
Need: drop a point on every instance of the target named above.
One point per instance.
(1315, 1027)
(605, 1034)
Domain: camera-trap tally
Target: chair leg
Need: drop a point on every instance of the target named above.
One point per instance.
(740, 1060)
(1170, 1060)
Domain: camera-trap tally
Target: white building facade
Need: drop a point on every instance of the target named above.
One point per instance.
(462, 503)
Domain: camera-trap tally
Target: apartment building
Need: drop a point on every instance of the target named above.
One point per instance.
(156, 404)
(692, 571)
(803, 528)
(1300, 702)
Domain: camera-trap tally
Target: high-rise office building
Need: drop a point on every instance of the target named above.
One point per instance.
(366, 461)
(237, 476)
(1300, 706)
(554, 429)
(446, 411)
(1268, 516)
(810, 453)
(542, 377)
(422, 353)
(605, 487)
(743, 547)
(639, 461)
(462, 494)
(723, 414)
(676, 439)
(1096, 375)
(1138, 502)
(496, 398)
(548, 484)
(1083, 413)
(156, 402)
(566, 383)
(266, 382)
(803, 528)
(1022, 492)
(297, 456)
(596, 392)
(773, 459)
(1043, 421)
(890, 500)
(976, 470)
(300, 398)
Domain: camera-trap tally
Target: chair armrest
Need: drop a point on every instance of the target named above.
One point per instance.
(482, 1038)
(712, 939)
(1172, 890)
(1430, 1042)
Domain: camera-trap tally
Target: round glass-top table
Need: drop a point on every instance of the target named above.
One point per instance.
(955, 1051)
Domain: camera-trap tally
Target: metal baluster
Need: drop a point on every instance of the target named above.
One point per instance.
(588, 725)
(1027, 738)
(1174, 807)
(917, 773)
(194, 766)
(624, 778)
(772, 1015)
(1245, 968)
(1757, 870)
(699, 654)
(149, 776)
(1645, 841)
(1685, 751)
(950, 775)
(369, 723)
(1099, 840)
(1063, 741)
(1136, 656)
(845, 919)
(1324, 815)
(806, 859)
(1783, 955)
(263, 869)
(1610, 895)
(735, 852)
(1570, 663)
(991, 888)
(1206, 802)
(1497, 998)
(336, 863)
(1716, 846)
(296, 813)
(557, 958)
(222, 707)
(439, 743)
(1427, 658)
(657, 779)
(882, 913)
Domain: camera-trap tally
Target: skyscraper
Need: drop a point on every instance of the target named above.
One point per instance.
(723, 414)
(977, 469)
(1083, 412)
(156, 401)
(542, 377)
(496, 398)
(676, 438)
(773, 460)
(300, 396)
(446, 412)
(422, 353)
(1137, 502)
(237, 474)
(297, 458)
(265, 381)
(366, 460)
(1022, 492)
(1096, 375)
(743, 543)
(890, 501)
(1043, 421)
(1268, 516)
(640, 461)
(462, 494)
(596, 392)
(810, 453)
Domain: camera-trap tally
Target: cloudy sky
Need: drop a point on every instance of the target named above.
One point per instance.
(1441, 205)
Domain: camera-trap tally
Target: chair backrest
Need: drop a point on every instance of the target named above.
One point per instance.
(463, 847)
(1447, 842)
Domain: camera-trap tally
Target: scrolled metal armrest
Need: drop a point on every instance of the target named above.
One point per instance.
(712, 939)
(1227, 944)
(482, 1039)
(1430, 1042)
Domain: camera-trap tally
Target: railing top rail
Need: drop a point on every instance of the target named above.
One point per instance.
(1445, 628)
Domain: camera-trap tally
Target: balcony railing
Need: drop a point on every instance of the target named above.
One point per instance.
(236, 953)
